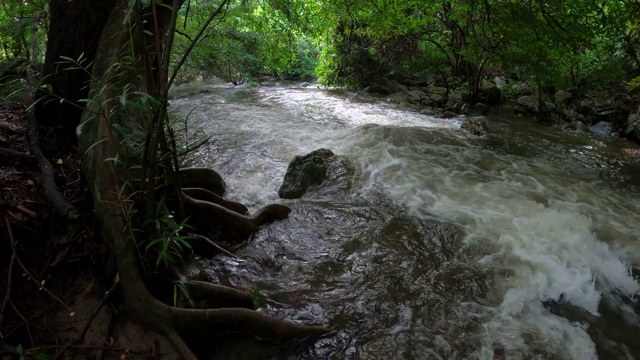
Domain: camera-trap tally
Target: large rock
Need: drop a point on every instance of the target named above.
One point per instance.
(578, 127)
(571, 115)
(478, 109)
(455, 103)
(399, 97)
(304, 172)
(490, 93)
(500, 82)
(427, 111)
(602, 128)
(527, 104)
(632, 130)
(416, 96)
(394, 86)
(562, 97)
(477, 125)
(520, 88)
(377, 89)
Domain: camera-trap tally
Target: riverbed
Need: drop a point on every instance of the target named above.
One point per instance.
(437, 244)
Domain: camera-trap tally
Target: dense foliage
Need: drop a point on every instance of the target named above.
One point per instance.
(567, 44)
(16, 20)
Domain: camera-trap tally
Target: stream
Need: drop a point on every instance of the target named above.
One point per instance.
(437, 244)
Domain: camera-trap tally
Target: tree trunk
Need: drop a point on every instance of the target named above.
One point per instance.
(126, 61)
(75, 28)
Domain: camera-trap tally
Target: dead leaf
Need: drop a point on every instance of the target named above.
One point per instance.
(88, 289)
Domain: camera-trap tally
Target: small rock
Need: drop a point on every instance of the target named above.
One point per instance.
(427, 111)
(448, 115)
(550, 106)
(477, 125)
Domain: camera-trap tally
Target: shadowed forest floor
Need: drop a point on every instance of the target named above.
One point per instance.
(52, 281)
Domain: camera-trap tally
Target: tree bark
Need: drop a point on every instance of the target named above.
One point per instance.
(98, 144)
(75, 29)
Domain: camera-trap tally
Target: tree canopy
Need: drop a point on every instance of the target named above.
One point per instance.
(355, 42)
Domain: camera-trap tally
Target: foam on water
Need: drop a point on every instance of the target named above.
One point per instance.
(549, 246)
(550, 227)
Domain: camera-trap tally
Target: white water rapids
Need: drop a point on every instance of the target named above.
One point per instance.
(544, 216)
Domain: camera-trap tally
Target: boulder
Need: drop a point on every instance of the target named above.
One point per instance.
(475, 110)
(578, 127)
(427, 111)
(520, 88)
(632, 130)
(433, 100)
(304, 172)
(377, 89)
(394, 86)
(490, 93)
(500, 82)
(416, 96)
(399, 97)
(436, 90)
(527, 104)
(602, 128)
(448, 115)
(476, 125)
(571, 115)
(562, 97)
(550, 106)
(455, 103)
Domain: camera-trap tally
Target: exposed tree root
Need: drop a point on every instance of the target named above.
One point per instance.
(49, 187)
(202, 178)
(206, 195)
(7, 155)
(270, 213)
(219, 295)
(97, 144)
(207, 216)
(202, 245)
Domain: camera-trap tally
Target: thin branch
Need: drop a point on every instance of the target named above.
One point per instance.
(7, 296)
(193, 44)
(26, 322)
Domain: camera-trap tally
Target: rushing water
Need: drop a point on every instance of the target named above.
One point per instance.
(438, 244)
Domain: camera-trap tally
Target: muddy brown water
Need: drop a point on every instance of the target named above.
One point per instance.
(439, 244)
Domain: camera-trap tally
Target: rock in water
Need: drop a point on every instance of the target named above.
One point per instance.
(477, 125)
(304, 172)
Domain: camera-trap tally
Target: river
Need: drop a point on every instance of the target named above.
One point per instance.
(438, 244)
